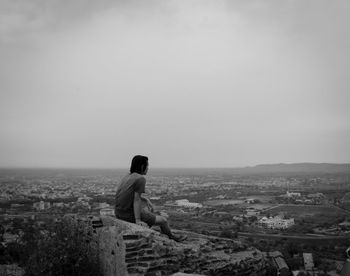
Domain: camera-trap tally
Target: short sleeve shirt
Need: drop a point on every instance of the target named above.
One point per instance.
(124, 198)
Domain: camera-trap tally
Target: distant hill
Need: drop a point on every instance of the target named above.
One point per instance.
(276, 169)
(297, 168)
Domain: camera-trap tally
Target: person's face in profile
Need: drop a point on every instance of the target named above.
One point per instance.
(145, 169)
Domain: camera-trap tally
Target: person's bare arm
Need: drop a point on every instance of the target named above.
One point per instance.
(148, 202)
(137, 209)
(143, 198)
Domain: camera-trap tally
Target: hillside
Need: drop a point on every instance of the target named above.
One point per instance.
(304, 168)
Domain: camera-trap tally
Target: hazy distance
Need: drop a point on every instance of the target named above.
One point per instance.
(188, 83)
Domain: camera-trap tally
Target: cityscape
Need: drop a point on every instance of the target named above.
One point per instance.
(238, 110)
(299, 221)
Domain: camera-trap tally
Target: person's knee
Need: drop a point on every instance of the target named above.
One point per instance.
(160, 220)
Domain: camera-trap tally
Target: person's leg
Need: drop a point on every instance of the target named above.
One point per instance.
(152, 219)
(164, 226)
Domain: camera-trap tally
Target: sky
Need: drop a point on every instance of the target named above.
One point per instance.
(188, 83)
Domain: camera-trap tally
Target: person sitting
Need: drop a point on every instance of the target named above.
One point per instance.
(129, 200)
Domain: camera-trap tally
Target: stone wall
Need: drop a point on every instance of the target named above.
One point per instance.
(128, 249)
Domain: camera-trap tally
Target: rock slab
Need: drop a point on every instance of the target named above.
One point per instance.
(129, 249)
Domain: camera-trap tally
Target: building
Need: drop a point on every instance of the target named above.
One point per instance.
(316, 196)
(238, 218)
(103, 205)
(252, 212)
(276, 222)
(11, 270)
(107, 212)
(154, 198)
(281, 266)
(38, 205)
(345, 225)
(308, 261)
(41, 205)
(250, 200)
(58, 204)
(276, 259)
(186, 203)
(292, 194)
(84, 204)
(8, 237)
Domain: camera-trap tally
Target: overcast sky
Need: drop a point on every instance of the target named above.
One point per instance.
(189, 83)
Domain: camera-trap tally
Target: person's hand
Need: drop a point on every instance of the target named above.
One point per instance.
(141, 223)
(150, 205)
(163, 214)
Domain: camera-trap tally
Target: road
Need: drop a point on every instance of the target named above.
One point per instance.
(295, 237)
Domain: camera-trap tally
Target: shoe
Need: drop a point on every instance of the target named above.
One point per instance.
(178, 238)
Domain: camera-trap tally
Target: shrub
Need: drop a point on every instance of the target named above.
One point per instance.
(62, 250)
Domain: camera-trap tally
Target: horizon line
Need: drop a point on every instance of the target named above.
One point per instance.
(166, 167)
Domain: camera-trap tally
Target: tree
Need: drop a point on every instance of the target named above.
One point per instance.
(5, 257)
(292, 248)
(17, 223)
(15, 250)
(324, 267)
(227, 234)
(250, 239)
(62, 250)
(2, 232)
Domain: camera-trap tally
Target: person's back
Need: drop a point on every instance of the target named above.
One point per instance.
(124, 197)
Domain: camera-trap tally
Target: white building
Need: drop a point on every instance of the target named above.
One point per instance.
(107, 212)
(41, 205)
(8, 237)
(276, 222)
(155, 198)
(250, 200)
(251, 213)
(238, 218)
(308, 261)
(186, 203)
(103, 205)
(288, 194)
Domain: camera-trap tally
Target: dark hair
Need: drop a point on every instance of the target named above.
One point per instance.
(138, 164)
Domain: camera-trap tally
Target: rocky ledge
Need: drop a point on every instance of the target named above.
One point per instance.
(128, 249)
